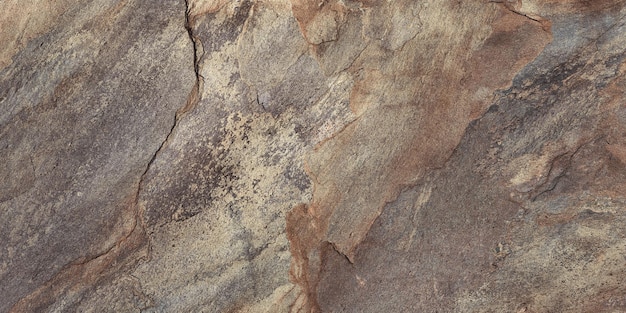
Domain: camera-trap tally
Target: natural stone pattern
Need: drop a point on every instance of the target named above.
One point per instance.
(307, 156)
(216, 197)
(526, 214)
(85, 107)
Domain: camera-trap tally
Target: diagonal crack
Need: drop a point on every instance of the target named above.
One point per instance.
(192, 101)
(198, 52)
(509, 7)
(558, 169)
(85, 271)
(334, 246)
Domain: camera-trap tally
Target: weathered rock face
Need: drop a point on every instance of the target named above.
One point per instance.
(81, 119)
(306, 156)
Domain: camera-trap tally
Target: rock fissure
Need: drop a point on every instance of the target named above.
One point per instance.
(507, 5)
(77, 276)
(194, 97)
(557, 171)
(620, 22)
(341, 253)
(88, 267)
(430, 187)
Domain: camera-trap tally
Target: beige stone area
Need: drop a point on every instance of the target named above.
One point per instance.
(22, 21)
(428, 122)
(312, 156)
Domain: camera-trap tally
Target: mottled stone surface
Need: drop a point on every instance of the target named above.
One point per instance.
(307, 156)
(85, 106)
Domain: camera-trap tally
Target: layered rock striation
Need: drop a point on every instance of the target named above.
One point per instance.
(312, 156)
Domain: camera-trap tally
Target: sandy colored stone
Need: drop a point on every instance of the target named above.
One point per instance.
(312, 156)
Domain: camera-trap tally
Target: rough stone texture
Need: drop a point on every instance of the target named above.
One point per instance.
(85, 106)
(312, 156)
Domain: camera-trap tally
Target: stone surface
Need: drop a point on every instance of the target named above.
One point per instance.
(307, 156)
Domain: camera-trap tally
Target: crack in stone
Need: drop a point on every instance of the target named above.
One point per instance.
(620, 22)
(80, 270)
(334, 246)
(197, 45)
(192, 101)
(551, 181)
(507, 6)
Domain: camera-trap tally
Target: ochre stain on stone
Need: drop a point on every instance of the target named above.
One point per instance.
(77, 277)
(451, 83)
